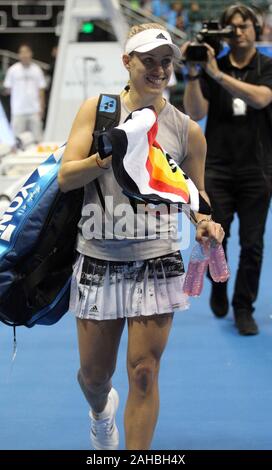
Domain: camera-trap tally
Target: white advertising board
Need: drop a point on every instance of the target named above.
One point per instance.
(89, 69)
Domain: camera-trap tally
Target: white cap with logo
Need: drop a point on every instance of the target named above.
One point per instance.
(150, 39)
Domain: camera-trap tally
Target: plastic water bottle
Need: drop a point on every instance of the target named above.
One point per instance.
(218, 266)
(197, 267)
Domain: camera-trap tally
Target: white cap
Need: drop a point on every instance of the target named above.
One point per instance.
(150, 39)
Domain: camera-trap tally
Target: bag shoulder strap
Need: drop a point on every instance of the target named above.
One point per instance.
(107, 116)
(108, 113)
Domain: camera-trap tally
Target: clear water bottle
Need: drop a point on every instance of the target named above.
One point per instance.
(218, 266)
(197, 267)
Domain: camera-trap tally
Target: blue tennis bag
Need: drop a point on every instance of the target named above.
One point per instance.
(37, 239)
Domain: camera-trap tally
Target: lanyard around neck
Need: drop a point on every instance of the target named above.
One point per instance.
(241, 77)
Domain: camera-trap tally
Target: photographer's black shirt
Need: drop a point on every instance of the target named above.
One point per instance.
(239, 137)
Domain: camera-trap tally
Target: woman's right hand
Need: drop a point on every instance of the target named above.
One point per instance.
(104, 163)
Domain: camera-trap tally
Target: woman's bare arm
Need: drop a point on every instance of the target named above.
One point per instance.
(77, 167)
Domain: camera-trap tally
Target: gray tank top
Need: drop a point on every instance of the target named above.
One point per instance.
(105, 235)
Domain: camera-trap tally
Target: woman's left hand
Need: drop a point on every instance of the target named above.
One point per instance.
(209, 229)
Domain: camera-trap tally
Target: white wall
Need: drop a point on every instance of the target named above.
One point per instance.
(90, 69)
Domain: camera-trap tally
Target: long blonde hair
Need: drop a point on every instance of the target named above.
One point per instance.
(138, 28)
(135, 29)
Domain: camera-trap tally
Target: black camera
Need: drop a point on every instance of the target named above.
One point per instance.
(212, 34)
(196, 53)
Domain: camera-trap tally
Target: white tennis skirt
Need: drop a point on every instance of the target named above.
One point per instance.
(107, 290)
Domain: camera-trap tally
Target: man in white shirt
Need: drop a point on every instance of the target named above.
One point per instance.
(26, 84)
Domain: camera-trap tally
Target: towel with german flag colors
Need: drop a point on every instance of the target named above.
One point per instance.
(143, 169)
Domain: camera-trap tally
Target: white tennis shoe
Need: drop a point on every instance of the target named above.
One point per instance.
(104, 433)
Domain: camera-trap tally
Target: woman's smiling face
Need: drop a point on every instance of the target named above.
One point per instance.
(151, 71)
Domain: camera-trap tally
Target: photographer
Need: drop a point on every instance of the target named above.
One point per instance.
(235, 92)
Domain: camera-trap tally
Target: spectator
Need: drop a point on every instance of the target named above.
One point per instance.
(195, 18)
(160, 8)
(267, 29)
(146, 5)
(235, 92)
(180, 23)
(177, 11)
(26, 85)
